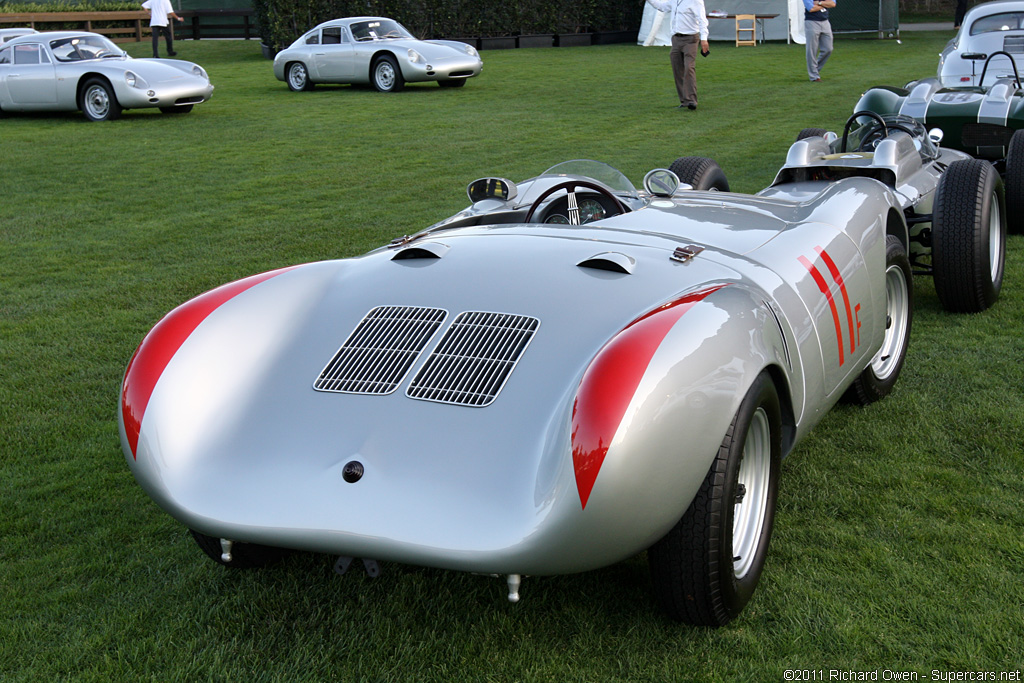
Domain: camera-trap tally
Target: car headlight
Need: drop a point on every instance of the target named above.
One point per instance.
(471, 51)
(198, 71)
(415, 57)
(134, 80)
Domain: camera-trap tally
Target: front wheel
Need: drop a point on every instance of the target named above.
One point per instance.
(452, 83)
(706, 568)
(98, 101)
(879, 377)
(968, 236)
(297, 77)
(386, 75)
(243, 555)
(701, 173)
(182, 109)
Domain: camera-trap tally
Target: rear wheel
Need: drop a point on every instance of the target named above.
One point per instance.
(98, 101)
(1014, 180)
(968, 236)
(243, 555)
(878, 378)
(701, 173)
(706, 568)
(386, 75)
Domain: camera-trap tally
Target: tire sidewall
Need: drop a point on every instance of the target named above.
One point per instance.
(291, 82)
(113, 108)
(736, 592)
(701, 173)
(396, 80)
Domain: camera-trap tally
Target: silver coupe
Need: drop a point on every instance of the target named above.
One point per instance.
(75, 70)
(987, 28)
(566, 373)
(376, 51)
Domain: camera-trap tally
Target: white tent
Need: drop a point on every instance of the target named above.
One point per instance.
(655, 26)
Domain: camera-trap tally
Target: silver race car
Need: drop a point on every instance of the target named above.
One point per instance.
(955, 205)
(373, 50)
(75, 70)
(566, 373)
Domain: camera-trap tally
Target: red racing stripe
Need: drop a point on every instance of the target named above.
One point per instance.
(838, 277)
(611, 380)
(163, 341)
(823, 286)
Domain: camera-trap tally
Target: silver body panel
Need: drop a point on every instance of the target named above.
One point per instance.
(55, 85)
(350, 61)
(233, 439)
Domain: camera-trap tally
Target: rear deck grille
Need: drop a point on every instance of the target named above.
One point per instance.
(381, 350)
(1013, 44)
(474, 359)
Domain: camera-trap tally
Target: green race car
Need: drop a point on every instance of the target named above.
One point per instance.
(985, 121)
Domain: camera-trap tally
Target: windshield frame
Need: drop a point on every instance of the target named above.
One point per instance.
(97, 42)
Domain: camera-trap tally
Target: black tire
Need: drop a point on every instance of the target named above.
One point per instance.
(98, 101)
(296, 75)
(700, 172)
(1013, 180)
(243, 555)
(452, 83)
(878, 378)
(385, 74)
(704, 571)
(182, 109)
(811, 133)
(968, 236)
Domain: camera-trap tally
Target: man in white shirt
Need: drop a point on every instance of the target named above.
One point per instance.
(689, 26)
(159, 12)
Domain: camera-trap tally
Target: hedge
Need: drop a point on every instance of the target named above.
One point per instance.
(282, 21)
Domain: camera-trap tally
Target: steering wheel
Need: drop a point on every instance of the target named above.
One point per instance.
(570, 187)
(871, 136)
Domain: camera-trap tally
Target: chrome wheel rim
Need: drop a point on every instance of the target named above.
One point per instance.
(995, 238)
(297, 76)
(753, 481)
(897, 310)
(385, 76)
(97, 102)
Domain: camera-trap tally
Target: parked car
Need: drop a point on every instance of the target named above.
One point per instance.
(373, 50)
(564, 374)
(76, 70)
(985, 121)
(987, 28)
(954, 204)
(7, 34)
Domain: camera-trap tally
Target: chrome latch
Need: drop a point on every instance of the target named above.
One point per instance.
(684, 254)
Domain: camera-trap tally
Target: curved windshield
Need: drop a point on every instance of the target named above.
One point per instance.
(378, 29)
(868, 134)
(78, 48)
(596, 170)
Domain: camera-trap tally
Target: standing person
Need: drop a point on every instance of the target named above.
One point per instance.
(961, 10)
(689, 26)
(159, 12)
(818, 32)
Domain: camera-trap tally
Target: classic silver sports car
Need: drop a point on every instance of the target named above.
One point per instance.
(373, 50)
(954, 204)
(75, 70)
(987, 27)
(564, 374)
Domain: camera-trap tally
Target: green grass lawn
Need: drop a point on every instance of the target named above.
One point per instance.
(899, 541)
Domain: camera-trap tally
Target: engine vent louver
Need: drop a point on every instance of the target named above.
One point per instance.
(1013, 44)
(379, 353)
(474, 359)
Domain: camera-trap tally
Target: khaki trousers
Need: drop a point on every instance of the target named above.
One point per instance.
(683, 57)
